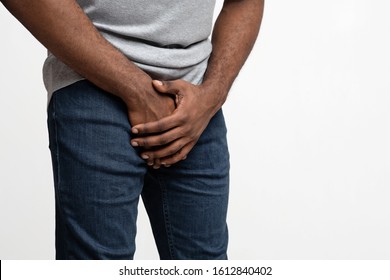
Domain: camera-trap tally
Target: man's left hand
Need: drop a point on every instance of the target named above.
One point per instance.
(170, 139)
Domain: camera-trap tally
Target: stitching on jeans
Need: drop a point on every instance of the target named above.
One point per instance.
(57, 155)
(166, 218)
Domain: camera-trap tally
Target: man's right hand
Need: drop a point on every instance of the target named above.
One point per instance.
(152, 106)
(66, 31)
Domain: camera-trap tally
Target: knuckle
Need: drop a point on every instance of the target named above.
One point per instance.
(171, 151)
(166, 152)
(192, 138)
(163, 140)
(145, 142)
(181, 134)
(160, 126)
(183, 120)
(159, 154)
(178, 148)
(178, 157)
(142, 129)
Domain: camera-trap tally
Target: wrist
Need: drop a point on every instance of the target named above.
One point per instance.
(134, 92)
(216, 94)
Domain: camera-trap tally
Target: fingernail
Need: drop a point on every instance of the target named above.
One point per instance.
(134, 130)
(167, 165)
(184, 157)
(150, 163)
(145, 156)
(156, 167)
(158, 82)
(135, 144)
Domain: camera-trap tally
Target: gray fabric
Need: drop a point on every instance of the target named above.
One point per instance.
(168, 39)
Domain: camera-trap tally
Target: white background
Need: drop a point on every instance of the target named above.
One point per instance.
(309, 138)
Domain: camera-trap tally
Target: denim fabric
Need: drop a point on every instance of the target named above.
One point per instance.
(99, 177)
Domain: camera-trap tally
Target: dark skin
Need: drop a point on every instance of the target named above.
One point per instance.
(174, 136)
(64, 29)
(175, 123)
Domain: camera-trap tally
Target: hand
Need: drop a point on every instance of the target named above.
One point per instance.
(170, 139)
(150, 106)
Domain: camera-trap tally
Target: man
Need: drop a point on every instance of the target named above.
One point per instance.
(135, 94)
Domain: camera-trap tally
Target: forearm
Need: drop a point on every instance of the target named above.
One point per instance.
(64, 29)
(234, 35)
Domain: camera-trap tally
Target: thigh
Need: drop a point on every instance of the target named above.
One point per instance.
(98, 174)
(187, 202)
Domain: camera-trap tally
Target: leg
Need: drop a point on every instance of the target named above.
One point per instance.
(187, 202)
(98, 175)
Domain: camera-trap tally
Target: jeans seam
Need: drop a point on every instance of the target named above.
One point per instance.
(166, 218)
(58, 168)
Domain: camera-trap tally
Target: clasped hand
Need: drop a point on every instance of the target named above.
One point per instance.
(170, 139)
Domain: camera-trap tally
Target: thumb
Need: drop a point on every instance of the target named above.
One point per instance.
(165, 87)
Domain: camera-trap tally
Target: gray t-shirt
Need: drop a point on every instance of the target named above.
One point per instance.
(168, 39)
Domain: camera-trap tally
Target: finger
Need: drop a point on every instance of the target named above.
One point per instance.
(175, 88)
(166, 151)
(169, 87)
(164, 124)
(181, 155)
(157, 140)
(157, 164)
(150, 162)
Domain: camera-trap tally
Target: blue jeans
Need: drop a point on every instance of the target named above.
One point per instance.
(99, 178)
